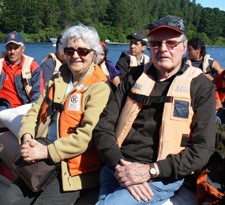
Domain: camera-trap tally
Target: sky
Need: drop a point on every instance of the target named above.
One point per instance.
(212, 3)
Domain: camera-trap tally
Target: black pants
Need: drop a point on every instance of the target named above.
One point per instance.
(19, 193)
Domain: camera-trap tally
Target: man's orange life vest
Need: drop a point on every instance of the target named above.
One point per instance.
(26, 73)
(177, 114)
(71, 115)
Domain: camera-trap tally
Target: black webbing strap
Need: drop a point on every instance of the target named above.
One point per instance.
(53, 106)
(58, 107)
(148, 100)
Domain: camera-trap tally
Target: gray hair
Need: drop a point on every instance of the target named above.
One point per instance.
(87, 34)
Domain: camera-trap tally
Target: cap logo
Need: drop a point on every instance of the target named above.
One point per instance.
(12, 36)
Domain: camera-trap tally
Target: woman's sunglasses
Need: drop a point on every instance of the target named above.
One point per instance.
(81, 51)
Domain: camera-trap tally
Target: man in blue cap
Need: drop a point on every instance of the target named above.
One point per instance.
(21, 78)
(155, 129)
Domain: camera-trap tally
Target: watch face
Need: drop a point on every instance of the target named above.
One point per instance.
(153, 171)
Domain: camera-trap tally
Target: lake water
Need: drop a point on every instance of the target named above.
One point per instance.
(40, 50)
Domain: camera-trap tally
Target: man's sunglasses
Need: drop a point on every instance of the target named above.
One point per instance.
(170, 44)
(81, 51)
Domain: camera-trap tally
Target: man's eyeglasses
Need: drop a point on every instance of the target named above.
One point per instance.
(81, 51)
(170, 44)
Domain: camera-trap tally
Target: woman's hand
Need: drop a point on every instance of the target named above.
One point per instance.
(33, 151)
(26, 138)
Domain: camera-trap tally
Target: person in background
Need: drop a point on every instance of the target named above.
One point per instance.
(220, 88)
(198, 58)
(21, 77)
(51, 63)
(135, 56)
(74, 99)
(108, 67)
(158, 127)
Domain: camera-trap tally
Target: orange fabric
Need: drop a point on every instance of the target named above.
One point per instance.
(220, 86)
(206, 192)
(70, 119)
(218, 101)
(45, 105)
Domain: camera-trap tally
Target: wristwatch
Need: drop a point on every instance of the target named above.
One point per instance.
(152, 171)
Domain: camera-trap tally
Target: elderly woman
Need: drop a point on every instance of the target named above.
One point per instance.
(77, 95)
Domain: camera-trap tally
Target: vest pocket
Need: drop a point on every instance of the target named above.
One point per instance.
(181, 109)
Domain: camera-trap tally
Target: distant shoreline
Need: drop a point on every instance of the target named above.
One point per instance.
(117, 43)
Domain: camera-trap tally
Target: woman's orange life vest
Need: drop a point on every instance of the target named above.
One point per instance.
(71, 115)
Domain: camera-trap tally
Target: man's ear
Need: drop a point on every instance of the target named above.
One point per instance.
(144, 48)
(185, 47)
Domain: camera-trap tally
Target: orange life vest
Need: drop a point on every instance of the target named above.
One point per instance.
(174, 128)
(220, 84)
(70, 117)
(26, 73)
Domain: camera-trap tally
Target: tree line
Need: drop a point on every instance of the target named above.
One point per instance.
(38, 20)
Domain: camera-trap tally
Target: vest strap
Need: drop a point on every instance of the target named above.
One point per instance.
(148, 100)
(58, 106)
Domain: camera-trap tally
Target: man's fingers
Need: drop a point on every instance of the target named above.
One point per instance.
(142, 192)
(134, 194)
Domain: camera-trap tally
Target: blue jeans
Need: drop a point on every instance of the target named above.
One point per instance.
(111, 193)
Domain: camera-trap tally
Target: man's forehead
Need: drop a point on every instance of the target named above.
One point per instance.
(133, 40)
(165, 33)
(12, 45)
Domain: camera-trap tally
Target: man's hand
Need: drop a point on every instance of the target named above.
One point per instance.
(141, 191)
(129, 173)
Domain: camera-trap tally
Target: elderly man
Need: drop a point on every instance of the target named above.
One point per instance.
(135, 56)
(21, 78)
(156, 130)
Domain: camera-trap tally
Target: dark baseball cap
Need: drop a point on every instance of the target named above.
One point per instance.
(14, 37)
(138, 36)
(173, 22)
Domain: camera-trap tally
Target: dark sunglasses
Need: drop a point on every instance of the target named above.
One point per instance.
(170, 44)
(81, 51)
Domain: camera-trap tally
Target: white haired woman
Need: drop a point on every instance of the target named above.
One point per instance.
(72, 103)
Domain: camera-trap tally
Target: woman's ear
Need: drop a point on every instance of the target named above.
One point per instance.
(95, 57)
